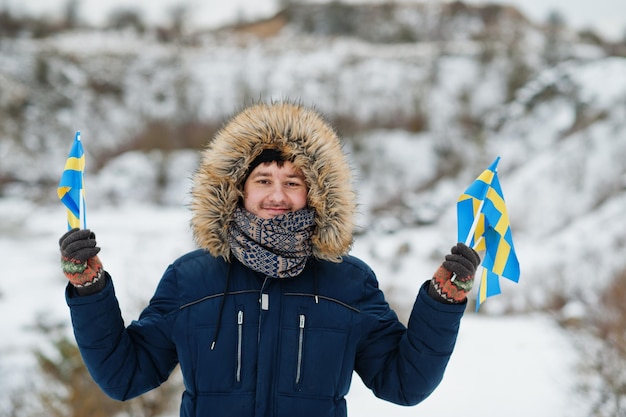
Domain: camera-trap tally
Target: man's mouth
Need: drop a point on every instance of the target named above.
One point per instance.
(277, 209)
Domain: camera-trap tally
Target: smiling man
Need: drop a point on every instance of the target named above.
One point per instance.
(274, 186)
(271, 316)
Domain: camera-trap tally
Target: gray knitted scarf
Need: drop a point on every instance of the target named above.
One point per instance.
(278, 247)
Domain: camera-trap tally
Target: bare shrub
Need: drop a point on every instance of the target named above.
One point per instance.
(123, 18)
(69, 391)
(603, 347)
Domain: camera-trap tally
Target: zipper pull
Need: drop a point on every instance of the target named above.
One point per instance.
(302, 318)
(265, 301)
(240, 317)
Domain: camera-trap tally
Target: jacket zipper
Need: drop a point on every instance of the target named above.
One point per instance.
(239, 343)
(300, 347)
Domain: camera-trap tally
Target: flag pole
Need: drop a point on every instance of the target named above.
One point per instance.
(470, 234)
(82, 219)
(468, 239)
(71, 188)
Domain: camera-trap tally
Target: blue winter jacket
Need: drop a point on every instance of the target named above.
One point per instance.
(250, 346)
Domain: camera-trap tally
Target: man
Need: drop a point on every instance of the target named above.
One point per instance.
(271, 316)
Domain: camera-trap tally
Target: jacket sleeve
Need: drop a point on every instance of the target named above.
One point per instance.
(405, 365)
(125, 362)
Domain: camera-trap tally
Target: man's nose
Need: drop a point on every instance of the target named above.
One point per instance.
(278, 193)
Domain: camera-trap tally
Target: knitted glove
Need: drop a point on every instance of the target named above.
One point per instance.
(455, 277)
(78, 258)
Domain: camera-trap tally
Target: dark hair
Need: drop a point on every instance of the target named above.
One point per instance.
(267, 155)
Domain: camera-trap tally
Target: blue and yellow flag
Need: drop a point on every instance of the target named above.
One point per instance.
(71, 188)
(483, 223)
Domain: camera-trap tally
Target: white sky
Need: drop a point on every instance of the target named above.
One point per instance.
(606, 16)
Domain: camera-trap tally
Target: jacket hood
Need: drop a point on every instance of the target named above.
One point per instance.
(304, 138)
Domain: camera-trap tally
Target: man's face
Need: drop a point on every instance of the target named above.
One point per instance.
(271, 190)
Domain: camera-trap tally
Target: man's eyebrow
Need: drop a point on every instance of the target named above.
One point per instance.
(260, 173)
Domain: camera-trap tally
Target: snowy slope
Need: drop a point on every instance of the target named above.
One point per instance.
(605, 16)
(561, 139)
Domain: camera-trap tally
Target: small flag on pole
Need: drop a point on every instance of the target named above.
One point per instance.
(71, 190)
(483, 223)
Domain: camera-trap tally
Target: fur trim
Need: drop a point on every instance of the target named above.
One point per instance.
(305, 138)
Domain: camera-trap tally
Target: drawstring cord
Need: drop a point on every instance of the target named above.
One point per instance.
(219, 314)
(315, 283)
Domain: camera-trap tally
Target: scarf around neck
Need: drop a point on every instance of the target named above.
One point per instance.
(278, 247)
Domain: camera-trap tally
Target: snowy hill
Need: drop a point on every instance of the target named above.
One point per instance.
(435, 94)
(423, 105)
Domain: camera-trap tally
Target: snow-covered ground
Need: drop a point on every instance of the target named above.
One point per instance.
(503, 365)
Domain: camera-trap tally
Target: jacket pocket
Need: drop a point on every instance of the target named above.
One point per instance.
(312, 358)
(230, 365)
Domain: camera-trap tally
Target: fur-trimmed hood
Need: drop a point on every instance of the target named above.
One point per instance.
(303, 137)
